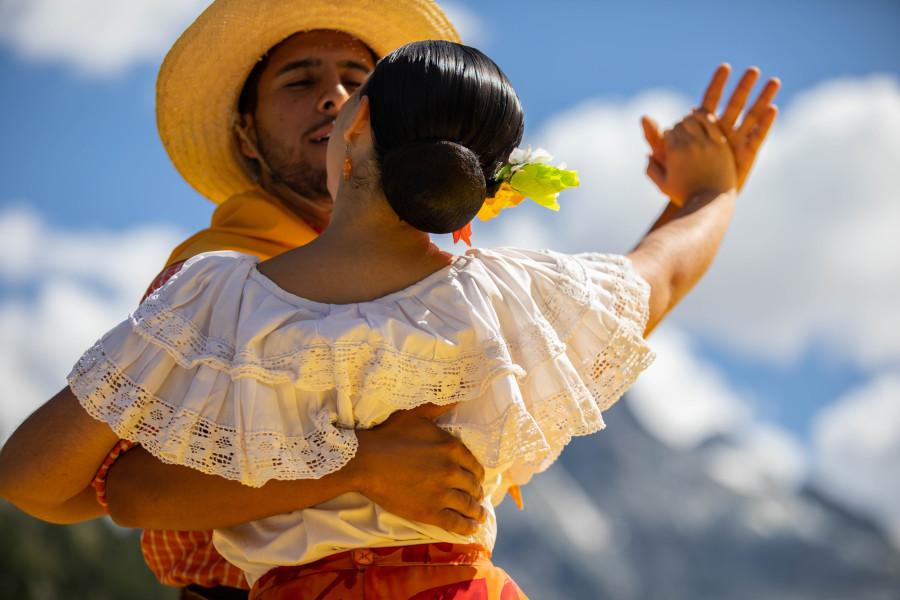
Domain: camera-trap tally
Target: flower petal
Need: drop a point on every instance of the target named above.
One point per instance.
(464, 234)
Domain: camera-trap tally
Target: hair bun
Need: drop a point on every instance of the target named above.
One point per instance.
(436, 186)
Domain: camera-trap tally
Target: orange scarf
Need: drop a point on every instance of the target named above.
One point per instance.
(251, 222)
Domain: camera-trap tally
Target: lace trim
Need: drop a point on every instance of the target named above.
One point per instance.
(631, 295)
(617, 367)
(353, 368)
(535, 344)
(180, 436)
(571, 299)
(532, 437)
(363, 368)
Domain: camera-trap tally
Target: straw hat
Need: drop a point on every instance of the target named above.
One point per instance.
(202, 76)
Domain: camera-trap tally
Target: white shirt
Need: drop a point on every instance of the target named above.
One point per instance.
(223, 371)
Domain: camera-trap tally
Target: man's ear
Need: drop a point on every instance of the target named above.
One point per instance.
(360, 122)
(246, 133)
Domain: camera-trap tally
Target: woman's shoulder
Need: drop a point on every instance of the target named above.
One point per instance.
(587, 268)
(534, 258)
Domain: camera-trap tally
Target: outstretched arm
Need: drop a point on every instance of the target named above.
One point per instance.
(407, 465)
(682, 242)
(701, 179)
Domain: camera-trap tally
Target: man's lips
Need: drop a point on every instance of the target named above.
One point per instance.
(321, 134)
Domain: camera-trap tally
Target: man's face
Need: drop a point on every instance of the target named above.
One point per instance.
(307, 79)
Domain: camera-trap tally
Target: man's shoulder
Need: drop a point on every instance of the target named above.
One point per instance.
(162, 278)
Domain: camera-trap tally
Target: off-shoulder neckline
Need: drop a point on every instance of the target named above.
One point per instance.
(459, 264)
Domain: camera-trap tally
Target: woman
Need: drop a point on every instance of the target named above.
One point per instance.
(263, 371)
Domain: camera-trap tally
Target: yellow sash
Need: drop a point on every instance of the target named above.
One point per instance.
(250, 222)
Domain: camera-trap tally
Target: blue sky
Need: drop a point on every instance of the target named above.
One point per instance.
(794, 324)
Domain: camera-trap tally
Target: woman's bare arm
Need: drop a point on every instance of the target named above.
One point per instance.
(701, 179)
(685, 238)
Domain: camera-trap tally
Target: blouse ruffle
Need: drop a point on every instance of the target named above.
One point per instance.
(222, 371)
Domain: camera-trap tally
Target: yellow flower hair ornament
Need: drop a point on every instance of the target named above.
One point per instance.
(524, 175)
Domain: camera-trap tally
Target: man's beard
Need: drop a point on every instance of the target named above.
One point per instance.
(299, 176)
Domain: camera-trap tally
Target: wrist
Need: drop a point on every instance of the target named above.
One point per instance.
(352, 477)
(695, 200)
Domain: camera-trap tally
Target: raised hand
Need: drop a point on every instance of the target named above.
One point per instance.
(745, 138)
(699, 159)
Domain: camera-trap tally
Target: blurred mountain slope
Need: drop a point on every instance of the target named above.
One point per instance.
(623, 517)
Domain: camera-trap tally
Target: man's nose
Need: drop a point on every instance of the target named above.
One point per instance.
(333, 97)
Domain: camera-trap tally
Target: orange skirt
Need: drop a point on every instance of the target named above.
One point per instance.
(421, 572)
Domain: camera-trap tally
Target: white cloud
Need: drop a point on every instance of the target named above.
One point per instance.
(857, 451)
(603, 141)
(20, 242)
(682, 400)
(61, 291)
(97, 37)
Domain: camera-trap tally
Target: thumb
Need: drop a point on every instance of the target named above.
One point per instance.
(656, 173)
(653, 136)
(430, 411)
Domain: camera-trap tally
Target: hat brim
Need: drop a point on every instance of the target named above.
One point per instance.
(201, 78)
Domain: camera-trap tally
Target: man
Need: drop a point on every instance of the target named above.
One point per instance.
(246, 99)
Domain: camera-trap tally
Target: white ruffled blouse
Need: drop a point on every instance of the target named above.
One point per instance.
(223, 371)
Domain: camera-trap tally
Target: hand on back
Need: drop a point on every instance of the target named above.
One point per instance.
(412, 468)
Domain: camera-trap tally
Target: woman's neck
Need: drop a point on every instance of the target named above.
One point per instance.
(362, 255)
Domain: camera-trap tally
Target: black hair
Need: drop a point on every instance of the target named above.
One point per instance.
(250, 92)
(444, 119)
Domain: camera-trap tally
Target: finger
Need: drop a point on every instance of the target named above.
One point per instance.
(470, 464)
(656, 173)
(455, 522)
(693, 127)
(714, 90)
(756, 137)
(466, 505)
(681, 134)
(670, 139)
(709, 124)
(430, 411)
(759, 107)
(739, 97)
(654, 137)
